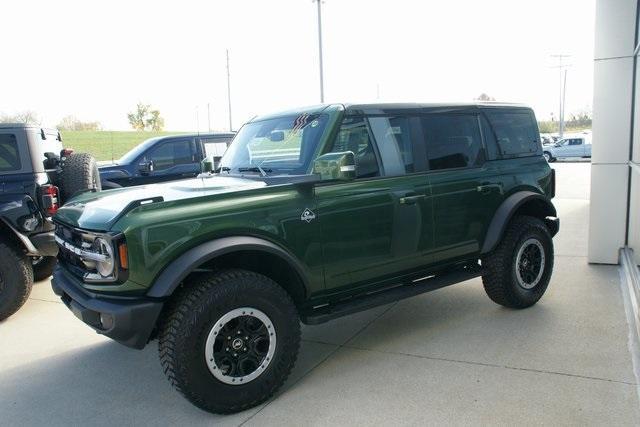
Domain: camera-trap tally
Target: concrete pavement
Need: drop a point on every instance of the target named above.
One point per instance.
(446, 357)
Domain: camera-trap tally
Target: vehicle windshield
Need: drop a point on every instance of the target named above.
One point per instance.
(133, 154)
(279, 146)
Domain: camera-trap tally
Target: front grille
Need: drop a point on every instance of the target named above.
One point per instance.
(70, 260)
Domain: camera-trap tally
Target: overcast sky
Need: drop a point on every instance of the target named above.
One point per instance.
(96, 60)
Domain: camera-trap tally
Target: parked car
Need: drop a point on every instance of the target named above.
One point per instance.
(36, 175)
(316, 213)
(164, 158)
(568, 148)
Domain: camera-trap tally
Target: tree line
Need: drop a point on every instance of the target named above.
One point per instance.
(143, 118)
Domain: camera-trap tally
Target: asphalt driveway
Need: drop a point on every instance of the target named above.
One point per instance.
(446, 357)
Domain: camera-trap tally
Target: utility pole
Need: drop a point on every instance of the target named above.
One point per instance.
(229, 92)
(320, 49)
(563, 84)
(209, 117)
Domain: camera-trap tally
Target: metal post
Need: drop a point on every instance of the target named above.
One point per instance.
(229, 93)
(320, 49)
(209, 117)
(563, 81)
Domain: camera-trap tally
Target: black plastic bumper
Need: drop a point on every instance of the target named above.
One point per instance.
(45, 243)
(128, 321)
(553, 224)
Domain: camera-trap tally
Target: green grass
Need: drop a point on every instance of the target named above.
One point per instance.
(106, 145)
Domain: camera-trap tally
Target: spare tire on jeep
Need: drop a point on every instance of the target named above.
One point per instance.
(79, 173)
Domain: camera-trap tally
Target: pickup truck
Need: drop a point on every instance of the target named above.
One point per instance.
(569, 147)
(163, 159)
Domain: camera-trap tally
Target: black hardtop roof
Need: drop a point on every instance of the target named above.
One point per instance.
(200, 135)
(384, 107)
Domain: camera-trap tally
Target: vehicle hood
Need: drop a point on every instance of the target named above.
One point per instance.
(99, 211)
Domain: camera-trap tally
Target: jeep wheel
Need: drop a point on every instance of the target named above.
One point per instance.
(229, 340)
(43, 267)
(16, 280)
(79, 173)
(548, 157)
(519, 269)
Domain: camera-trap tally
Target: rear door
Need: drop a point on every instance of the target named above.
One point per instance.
(377, 226)
(466, 191)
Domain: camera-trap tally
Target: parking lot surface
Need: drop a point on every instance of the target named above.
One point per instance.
(446, 357)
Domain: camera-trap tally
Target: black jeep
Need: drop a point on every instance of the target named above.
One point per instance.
(36, 175)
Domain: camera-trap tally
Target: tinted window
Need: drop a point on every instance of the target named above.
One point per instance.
(453, 140)
(393, 138)
(515, 132)
(575, 142)
(9, 156)
(171, 154)
(354, 136)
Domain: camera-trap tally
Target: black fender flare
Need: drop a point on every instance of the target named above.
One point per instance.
(174, 273)
(505, 212)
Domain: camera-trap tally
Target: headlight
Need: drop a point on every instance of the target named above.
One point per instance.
(105, 268)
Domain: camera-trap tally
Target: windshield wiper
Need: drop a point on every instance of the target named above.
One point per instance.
(262, 172)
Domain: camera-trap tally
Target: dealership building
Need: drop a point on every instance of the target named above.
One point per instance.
(615, 170)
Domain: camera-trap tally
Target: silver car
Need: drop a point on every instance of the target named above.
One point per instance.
(568, 148)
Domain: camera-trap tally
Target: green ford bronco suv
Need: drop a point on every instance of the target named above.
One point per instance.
(312, 214)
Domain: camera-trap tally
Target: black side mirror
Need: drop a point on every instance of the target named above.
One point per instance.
(145, 167)
(276, 135)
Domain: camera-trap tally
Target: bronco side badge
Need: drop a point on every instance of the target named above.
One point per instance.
(307, 215)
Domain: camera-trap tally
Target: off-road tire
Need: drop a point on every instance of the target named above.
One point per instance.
(43, 267)
(500, 280)
(192, 313)
(16, 280)
(79, 173)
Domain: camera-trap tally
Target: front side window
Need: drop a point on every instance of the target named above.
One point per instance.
(354, 136)
(171, 154)
(282, 145)
(393, 138)
(9, 155)
(453, 141)
(515, 132)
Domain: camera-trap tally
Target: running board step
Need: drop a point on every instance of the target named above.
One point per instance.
(367, 301)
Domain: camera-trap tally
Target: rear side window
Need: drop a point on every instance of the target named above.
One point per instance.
(393, 138)
(453, 141)
(516, 133)
(9, 155)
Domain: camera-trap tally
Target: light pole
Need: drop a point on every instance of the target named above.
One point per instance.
(229, 92)
(563, 85)
(320, 49)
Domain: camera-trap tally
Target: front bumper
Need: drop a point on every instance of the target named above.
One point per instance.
(129, 321)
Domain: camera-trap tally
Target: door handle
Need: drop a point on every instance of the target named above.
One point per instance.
(410, 200)
(487, 188)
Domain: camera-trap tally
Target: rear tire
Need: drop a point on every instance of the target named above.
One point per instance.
(16, 280)
(518, 270)
(79, 173)
(43, 267)
(208, 345)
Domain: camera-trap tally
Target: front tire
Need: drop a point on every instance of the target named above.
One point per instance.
(229, 340)
(519, 269)
(548, 157)
(16, 280)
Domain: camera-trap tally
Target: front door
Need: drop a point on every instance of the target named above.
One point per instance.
(377, 227)
(172, 159)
